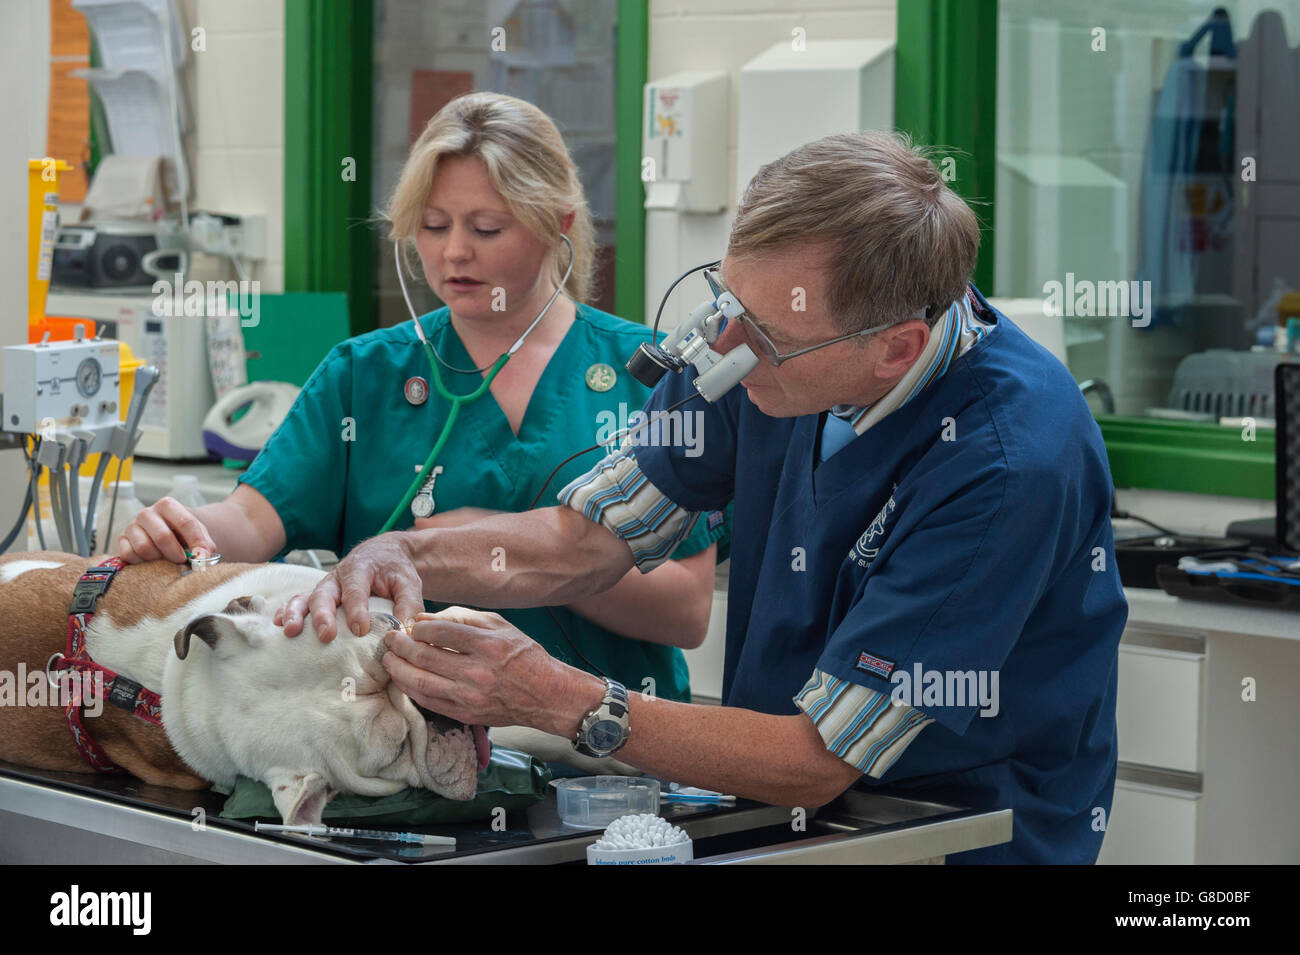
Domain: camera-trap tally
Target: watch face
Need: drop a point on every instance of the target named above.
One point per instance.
(422, 505)
(605, 735)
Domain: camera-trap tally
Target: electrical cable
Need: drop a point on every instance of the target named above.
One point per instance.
(74, 496)
(664, 301)
(1117, 514)
(112, 510)
(92, 503)
(595, 447)
(20, 523)
(56, 506)
(36, 489)
(600, 444)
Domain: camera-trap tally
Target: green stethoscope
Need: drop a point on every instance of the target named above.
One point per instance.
(419, 496)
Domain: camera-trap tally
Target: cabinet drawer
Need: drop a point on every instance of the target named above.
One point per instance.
(1158, 711)
(1150, 825)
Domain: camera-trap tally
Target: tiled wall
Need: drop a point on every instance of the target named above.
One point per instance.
(25, 77)
(235, 89)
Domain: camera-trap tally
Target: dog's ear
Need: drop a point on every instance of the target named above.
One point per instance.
(209, 628)
(255, 604)
(300, 798)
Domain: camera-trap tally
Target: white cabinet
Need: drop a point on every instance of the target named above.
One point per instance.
(1158, 711)
(1159, 718)
(1209, 755)
(1150, 825)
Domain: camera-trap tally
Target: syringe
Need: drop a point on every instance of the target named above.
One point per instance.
(315, 829)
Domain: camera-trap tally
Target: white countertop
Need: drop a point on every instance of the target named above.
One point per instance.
(1146, 607)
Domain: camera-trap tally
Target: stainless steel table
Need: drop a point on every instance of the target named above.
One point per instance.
(71, 818)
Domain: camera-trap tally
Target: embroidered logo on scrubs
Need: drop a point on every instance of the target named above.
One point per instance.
(868, 545)
(874, 665)
(601, 377)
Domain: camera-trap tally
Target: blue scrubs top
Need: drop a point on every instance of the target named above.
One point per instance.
(967, 531)
(342, 459)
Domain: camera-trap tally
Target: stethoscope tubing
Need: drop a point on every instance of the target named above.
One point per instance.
(455, 400)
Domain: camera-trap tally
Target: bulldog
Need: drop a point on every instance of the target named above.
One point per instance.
(238, 697)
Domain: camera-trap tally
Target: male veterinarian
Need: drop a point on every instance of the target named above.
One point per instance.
(923, 592)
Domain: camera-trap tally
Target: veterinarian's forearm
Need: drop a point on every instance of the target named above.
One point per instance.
(779, 760)
(670, 605)
(547, 557)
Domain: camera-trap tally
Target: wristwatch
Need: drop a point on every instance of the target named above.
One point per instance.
(606, 728)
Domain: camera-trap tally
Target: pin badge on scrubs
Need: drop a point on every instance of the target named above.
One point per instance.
(422, 504)
(416, 390)
(601, 377)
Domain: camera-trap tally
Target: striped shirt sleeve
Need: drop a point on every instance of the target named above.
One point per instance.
(618, 496)
(861, 726)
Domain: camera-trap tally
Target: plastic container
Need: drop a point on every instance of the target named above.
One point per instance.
(593, 802)
(128, 506)
(185, 488)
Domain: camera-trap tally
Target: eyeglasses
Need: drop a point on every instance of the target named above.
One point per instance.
(763, 346)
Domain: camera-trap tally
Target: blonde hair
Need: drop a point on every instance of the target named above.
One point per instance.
(900, 239)
(529, 165)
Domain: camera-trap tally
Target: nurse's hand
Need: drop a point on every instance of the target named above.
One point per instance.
(474, 666)
(164, 531)
(382, 565)
(454, 518)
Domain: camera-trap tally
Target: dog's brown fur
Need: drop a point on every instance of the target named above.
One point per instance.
(34, 624)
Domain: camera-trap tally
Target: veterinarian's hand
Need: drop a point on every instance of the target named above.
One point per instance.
(476, 667)
(164, 531)
(382, 566)
(455, 517)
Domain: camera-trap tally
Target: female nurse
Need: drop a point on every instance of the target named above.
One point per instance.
(486, 192)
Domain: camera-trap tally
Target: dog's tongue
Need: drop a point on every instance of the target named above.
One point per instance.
(482, 746)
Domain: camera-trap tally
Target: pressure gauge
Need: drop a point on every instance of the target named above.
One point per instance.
(89, 377)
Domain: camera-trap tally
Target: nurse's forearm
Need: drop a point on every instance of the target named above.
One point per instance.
(670, 605)
(775, 759)
(245, 526)
(546, 557)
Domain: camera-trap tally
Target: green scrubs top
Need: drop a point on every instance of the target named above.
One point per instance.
(347, 451)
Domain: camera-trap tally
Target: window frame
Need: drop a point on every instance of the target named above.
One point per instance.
(943, 97)
(328, 244)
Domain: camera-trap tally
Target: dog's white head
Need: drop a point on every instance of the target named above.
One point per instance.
(308, 719)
